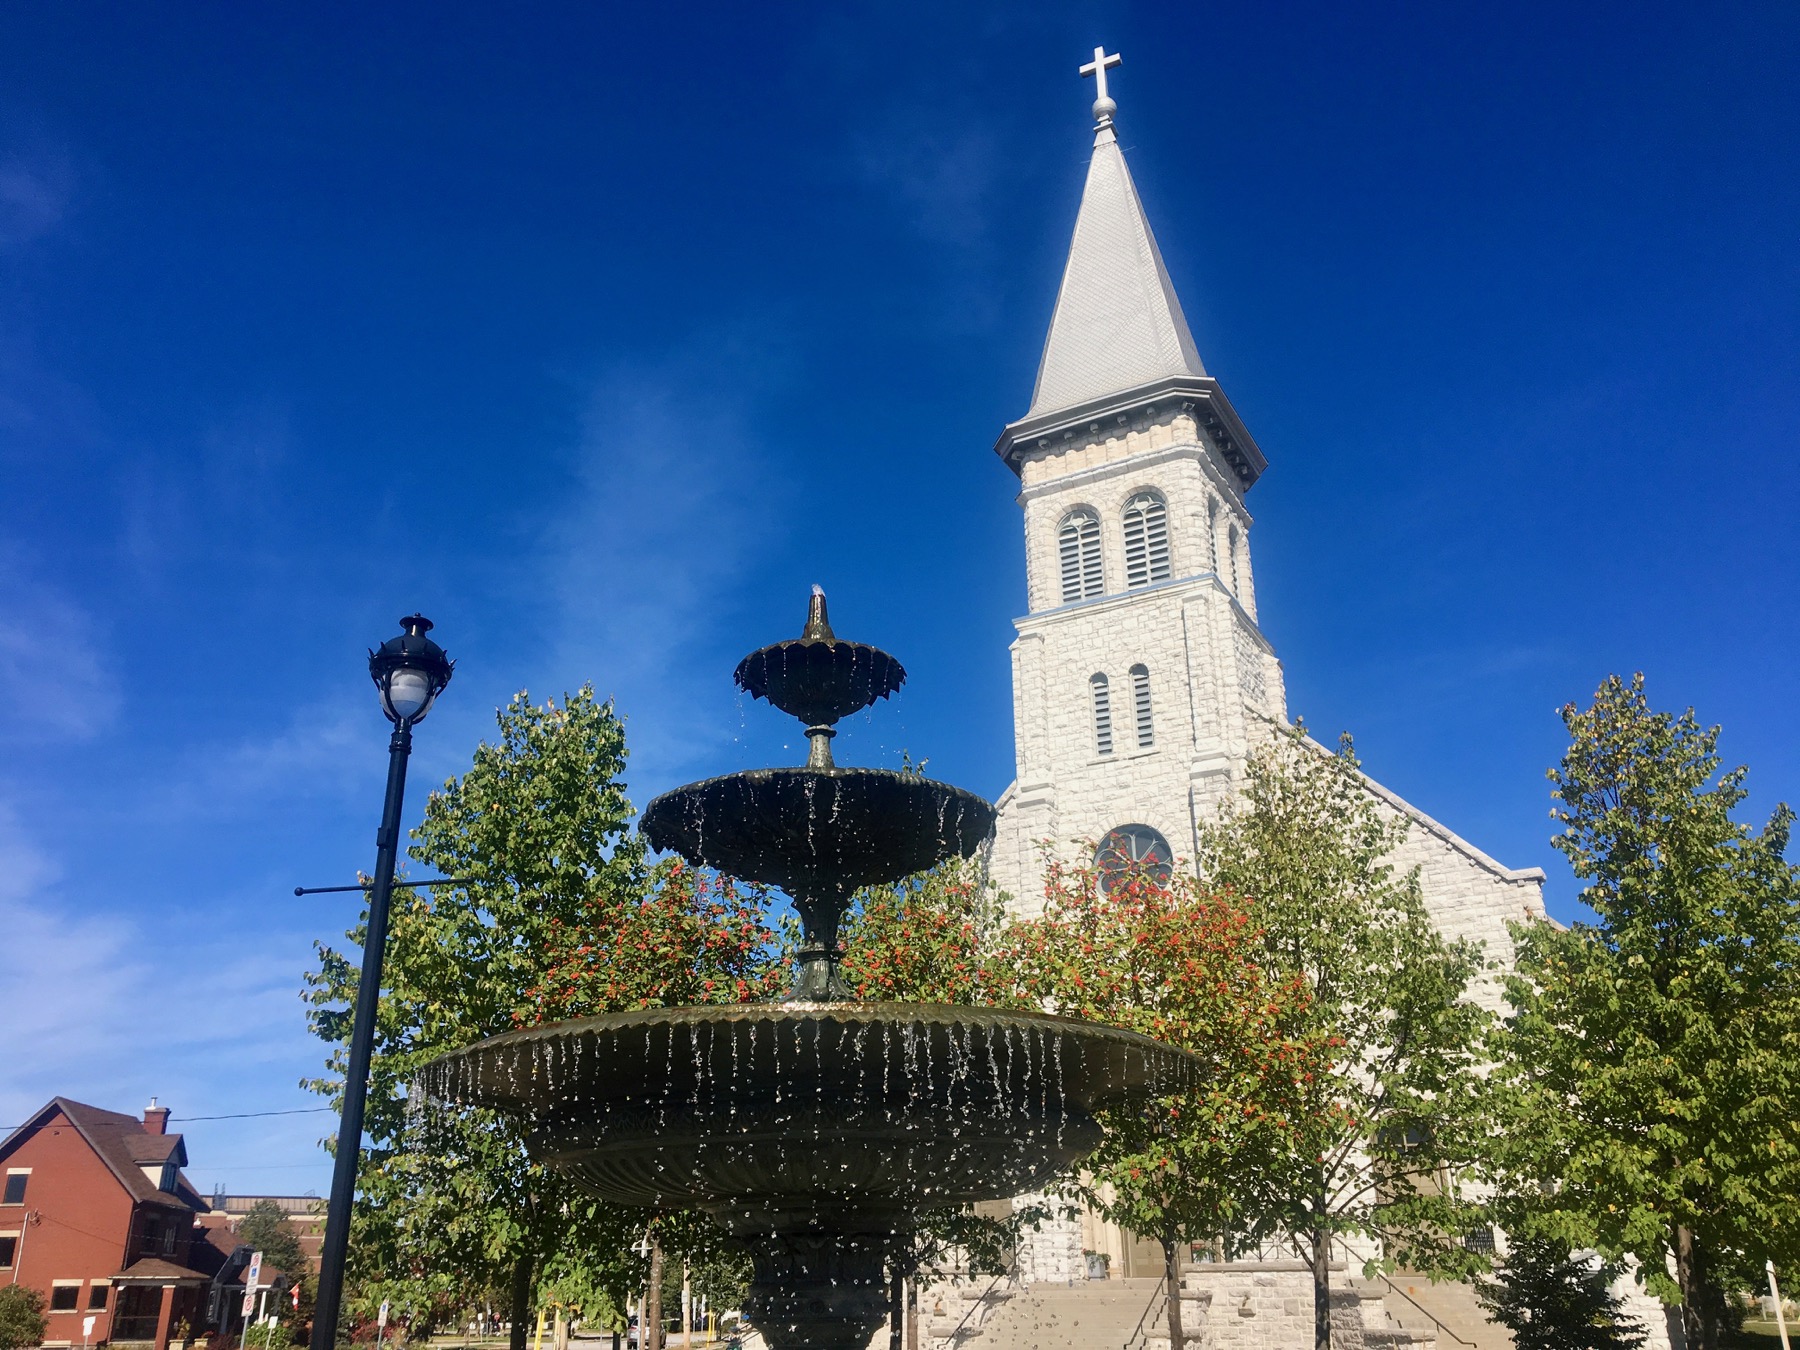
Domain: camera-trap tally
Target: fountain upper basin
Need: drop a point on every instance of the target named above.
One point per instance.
(805, 1115)
(818, 831)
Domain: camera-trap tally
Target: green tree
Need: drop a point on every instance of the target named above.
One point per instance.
(1385, 1126)
(22, 1320)
(451, 1208)
(1654, 1056)
(267, 1229)
(1171, 959)
(1552, 1299)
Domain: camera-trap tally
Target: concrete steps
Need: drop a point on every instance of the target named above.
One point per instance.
(1417, 1304)
(1096, 1314)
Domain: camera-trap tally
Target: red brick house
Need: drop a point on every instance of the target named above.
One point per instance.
(96, 1214)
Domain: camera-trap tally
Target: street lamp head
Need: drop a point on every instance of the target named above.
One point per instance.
(410, 671)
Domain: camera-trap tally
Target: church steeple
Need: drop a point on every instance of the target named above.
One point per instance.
(1118, 322)
(1119, 346)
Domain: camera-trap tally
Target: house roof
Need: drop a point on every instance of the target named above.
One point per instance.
(163, 1272)
(121, 1142)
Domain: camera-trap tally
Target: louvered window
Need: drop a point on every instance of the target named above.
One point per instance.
(1102, 715)
(1146, 540)
(1231, 549)
(1078, 548)
(1140, 706)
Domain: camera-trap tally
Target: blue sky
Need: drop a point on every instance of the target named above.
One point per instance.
(599, 332)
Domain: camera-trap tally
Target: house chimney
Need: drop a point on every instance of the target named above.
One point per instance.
(156, 1118)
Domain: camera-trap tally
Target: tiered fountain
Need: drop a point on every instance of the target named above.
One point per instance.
(813, 1128)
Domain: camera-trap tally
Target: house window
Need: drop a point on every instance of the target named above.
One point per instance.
(169, 1240)
(9, 1248)
(1102, 715)
(97, 1298)
(1140, 706)
(14, 1194)
(1146, 540)
(1078, 550)
(65, 1297)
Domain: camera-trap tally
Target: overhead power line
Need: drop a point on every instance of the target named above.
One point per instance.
(235, 1115)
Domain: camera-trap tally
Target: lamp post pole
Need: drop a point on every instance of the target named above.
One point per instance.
(410, 671)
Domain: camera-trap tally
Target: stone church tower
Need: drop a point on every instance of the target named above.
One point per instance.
(1139, 670)
(1141, 675)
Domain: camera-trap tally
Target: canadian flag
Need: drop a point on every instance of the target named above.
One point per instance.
(296, 1296)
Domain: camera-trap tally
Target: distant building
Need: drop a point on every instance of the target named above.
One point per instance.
(306, 1213)
(95, 1213)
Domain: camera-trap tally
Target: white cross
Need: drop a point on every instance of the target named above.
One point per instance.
(1098, 68)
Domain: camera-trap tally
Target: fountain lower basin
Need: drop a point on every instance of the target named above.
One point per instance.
(814, 1132)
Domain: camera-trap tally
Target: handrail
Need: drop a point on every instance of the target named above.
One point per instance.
(978, 1302)
(1138, 1334)
(1436, 1321)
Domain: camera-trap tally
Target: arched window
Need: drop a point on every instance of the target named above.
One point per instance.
(1212, 533)
(1146, 540)
(1078, 548)
(1231, 549)
(1102, 714)
(1140, 706)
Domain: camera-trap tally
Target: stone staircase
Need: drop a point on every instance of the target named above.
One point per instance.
(1242, 1305)
(1268, 1305)
(1091, 1315)
(1447, 1309)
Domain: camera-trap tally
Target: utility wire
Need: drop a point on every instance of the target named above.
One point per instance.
(236, 1115)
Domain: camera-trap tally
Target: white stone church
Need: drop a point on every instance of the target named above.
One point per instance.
(1141, 676)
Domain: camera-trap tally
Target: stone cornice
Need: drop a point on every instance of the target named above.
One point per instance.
(1199, 395)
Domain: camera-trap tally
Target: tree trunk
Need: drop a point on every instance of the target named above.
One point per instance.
(650, 1334)
(521, 1303)
(912, 1313)
(1321, 1273)
(1699, 1317)
(1172, 1280)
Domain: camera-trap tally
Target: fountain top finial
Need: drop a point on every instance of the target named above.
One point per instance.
(818, 623)
(818, 677)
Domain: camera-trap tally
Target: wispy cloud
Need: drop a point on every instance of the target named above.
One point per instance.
(102, 1010)
(673, 492)
(34, 195)
(944, 176)
(54, 681)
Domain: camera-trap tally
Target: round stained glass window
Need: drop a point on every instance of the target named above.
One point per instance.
(1133, 850)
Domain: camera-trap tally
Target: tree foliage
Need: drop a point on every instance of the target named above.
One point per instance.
(266, 1229)
(1654, 1056)
(450, 1207)
(1185, 965)
(1550, 1298)
(1389, 1119)
(22, 1320)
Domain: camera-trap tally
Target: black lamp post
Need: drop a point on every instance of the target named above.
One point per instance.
(410, 671)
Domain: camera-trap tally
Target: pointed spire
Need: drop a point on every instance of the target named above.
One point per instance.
(1118, 323)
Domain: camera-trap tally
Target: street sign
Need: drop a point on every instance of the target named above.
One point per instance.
(254, 1274)
(249, 1304)
(87, 1327)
